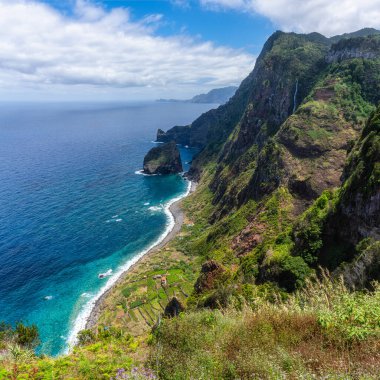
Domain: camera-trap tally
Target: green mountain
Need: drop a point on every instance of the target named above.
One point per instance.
(283, 153)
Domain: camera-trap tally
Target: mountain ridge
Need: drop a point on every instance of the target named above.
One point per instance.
(216, 95)
(304, 103)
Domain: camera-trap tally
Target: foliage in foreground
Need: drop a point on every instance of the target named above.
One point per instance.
(99, 356)
(323, 330)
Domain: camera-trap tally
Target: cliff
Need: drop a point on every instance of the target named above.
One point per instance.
(163, 159)
(282, 153)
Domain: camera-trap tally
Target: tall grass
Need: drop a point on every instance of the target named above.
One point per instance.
(321, 331)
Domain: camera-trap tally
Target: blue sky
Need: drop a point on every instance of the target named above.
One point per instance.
(143, 50)
(240, 30)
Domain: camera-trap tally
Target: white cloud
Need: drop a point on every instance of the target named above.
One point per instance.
(329, 17)
(105, 51)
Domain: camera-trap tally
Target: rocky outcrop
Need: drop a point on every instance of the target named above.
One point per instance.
(163, 159)
(361, 47)
(210, 273)
(173, 308)
(364, 269)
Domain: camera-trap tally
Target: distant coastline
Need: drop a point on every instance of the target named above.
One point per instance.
(90, 313)
(216, 96)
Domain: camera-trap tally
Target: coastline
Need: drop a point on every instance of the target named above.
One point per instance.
(89, 316)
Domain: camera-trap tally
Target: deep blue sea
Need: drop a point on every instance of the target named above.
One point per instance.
(72, 204)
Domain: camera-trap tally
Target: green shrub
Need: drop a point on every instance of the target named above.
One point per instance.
(294, 272)
(353, 316)
(86, 337)
(26, 336)
(307, 234)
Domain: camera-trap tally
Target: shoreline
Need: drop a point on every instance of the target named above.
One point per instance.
(89, 316)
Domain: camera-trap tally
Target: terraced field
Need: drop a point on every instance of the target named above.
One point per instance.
(138, 301)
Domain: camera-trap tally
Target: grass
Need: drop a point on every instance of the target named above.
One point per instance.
(323, 331)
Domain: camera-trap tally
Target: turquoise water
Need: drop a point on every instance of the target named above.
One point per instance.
(72, 204)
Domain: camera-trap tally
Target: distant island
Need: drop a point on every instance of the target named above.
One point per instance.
(217, 95)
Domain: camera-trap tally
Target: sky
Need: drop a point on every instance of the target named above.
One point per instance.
(107, 50)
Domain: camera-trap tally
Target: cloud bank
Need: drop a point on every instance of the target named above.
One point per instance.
(329, 17)
(98, 49)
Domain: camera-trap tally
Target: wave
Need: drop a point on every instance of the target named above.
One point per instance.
(141, 172)
(155, 208)
(114, 220)
(86, 295)
(84, 314)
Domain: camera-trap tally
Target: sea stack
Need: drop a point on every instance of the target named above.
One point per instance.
(163, 159)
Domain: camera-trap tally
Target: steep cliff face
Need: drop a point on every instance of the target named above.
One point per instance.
(304, 150)
(271, 171)
(360, 47)
(268, 85)
(356, 215)
(163, 159)
(284, 74)
(359, 204)
(347, 226)
(214, 126)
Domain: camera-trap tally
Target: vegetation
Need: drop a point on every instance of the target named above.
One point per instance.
(288, 188)
(321, 331)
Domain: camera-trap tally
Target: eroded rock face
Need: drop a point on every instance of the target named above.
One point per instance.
(361, 47)
(163, 159)
(363, 270)
(210, 272)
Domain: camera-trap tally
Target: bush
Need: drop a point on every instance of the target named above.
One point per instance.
(353, 316)
(86, 337)
(27, 336)
(307, 234)
(294, 272)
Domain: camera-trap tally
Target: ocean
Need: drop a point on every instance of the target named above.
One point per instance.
(73, 204)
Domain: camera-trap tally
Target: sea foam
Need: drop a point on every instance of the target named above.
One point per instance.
(85, 312)
(141, 172)
(155, 208)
